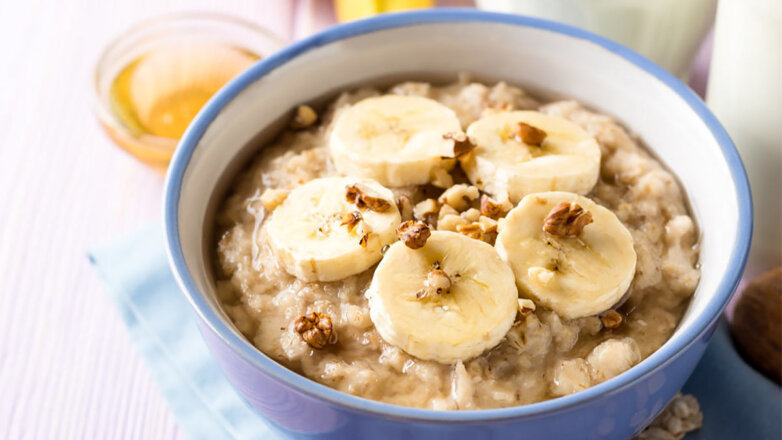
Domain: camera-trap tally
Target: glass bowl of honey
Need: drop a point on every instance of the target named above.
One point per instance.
(153, 79)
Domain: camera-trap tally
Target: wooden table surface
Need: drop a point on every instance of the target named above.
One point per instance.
(68, 369)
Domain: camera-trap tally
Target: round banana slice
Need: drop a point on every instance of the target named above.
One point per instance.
(449, 300)
(334, 227)
(568, 253)
(522, 152)
(396, 140)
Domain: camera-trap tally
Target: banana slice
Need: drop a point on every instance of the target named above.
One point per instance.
(575, 262)
(396, 140)
(561, 158)
(318, 235)
(472, 312)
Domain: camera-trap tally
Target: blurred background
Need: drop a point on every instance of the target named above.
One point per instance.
(88, 127)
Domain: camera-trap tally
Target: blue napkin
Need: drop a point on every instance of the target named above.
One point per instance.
(163, 327)
(736, 401)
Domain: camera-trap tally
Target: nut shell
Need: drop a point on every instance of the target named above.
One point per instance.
(757, 324)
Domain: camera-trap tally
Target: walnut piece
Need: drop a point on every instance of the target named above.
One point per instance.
(437, 282)
(490, 208)
(426, 210)
(405, 207)
(304, 117)
(526, 306)
(471, 215)
(488, 224)
(611, 319)
(461, 143)
(316, 329)
(459, 196)
(530, 135)
(364, 240)
(470, 223)
(413, 233)
(362, 200)
(472, 230)
(450, 222)
(351, 219)
(445, 211)
(566, 220)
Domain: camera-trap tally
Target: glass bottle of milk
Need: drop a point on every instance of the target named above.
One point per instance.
(745, 93)
(668, 32)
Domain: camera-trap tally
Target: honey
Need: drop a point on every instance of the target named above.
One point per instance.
(154, 97)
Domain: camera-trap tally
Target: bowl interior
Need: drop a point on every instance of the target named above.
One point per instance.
(536, 56)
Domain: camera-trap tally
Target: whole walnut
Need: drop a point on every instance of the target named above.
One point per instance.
(316, 329)
(757, 324)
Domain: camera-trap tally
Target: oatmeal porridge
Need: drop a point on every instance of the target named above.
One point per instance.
(455, 247)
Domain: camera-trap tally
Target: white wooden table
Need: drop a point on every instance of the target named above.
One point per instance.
(67, 366)
(68, 369)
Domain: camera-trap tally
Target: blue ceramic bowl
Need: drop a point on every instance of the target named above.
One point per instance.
(536, 54)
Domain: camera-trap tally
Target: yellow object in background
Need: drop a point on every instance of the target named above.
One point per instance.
(348, 10)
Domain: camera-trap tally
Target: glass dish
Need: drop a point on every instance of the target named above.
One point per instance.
(164, 32)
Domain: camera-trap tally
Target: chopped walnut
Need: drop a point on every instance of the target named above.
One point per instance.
(566, 220)
(362, 200)
(472, 230)
(461, 143)
(437, 282)
(272, 198)
(316, 329)
(446, 210)
(526, 306)
(489, 229)
(460, 196)
(413, 233)
(471, 215)
(490, 208)
(376, 204)
(405, 207)
(530, 135)
(426, 210)
(488, 224)
(450, 222)
(351, 219)
(611, 319)
(353, 195)
(304, 117)
(364, 240)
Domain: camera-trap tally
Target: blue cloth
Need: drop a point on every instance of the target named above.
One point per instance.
(163, 327)
(736, 401)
